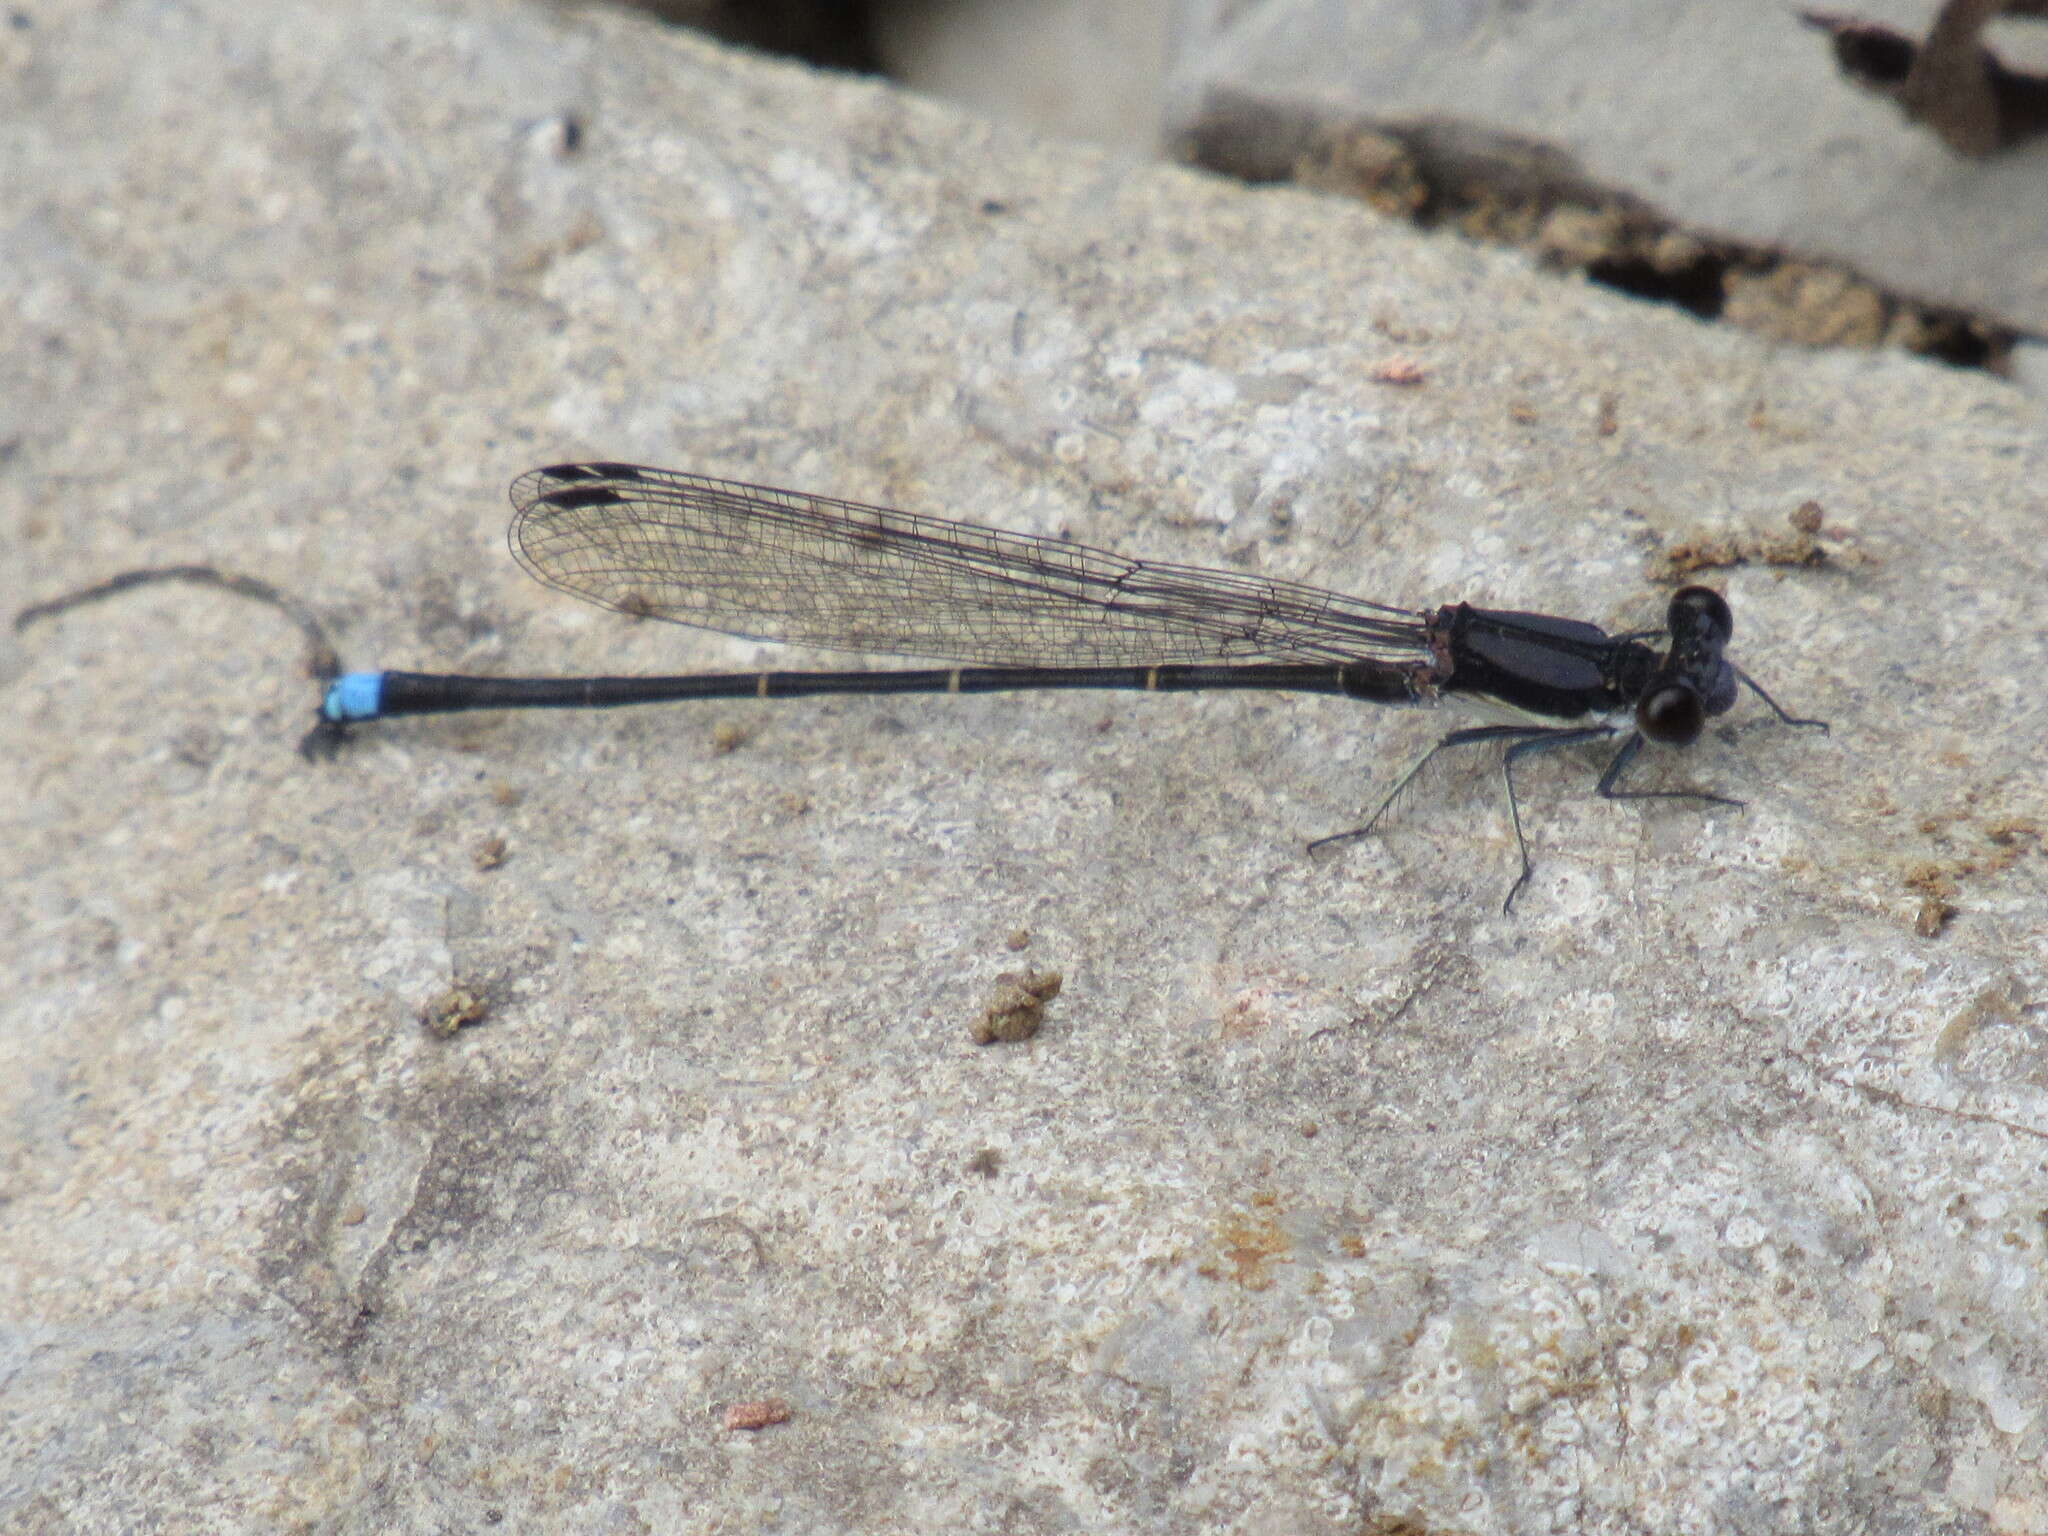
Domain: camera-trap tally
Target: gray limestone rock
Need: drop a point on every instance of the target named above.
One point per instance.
(1704, 1194)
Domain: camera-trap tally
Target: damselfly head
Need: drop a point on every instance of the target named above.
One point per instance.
(1700, 626)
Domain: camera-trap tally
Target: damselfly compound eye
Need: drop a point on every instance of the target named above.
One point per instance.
(1671, 714)
(1700, 614)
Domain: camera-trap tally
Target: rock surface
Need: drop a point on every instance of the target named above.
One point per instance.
(1702, 1195)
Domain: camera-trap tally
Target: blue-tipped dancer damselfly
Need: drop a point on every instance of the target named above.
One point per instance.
(1021, 611)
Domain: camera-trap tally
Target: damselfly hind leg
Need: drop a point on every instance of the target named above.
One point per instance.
(1522, 740)
(1453, 739)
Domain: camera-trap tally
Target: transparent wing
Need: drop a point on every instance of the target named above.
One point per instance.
(808, 570)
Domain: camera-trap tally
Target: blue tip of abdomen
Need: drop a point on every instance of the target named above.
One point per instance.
(353, 696)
